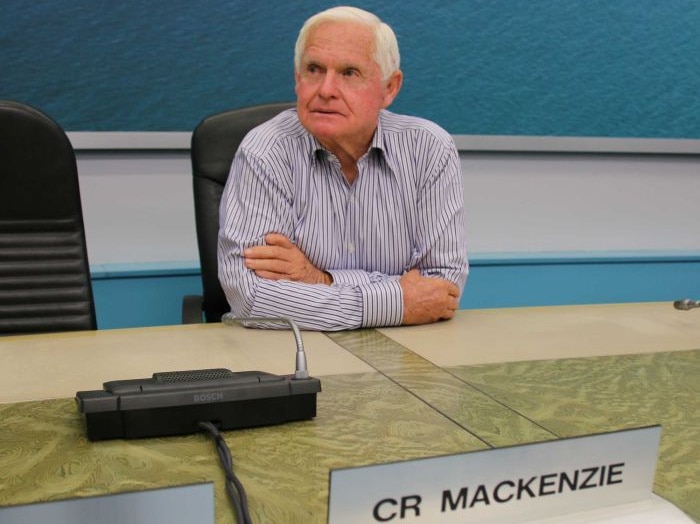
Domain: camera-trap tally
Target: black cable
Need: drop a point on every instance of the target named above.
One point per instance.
(234, 488)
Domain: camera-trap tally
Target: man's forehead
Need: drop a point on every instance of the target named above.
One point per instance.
(347, 38)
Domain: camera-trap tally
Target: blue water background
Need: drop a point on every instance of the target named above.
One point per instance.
(611, 68)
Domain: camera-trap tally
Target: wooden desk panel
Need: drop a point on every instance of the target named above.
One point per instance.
(362, 419)
(492, 422)
(591, 395)
(57, 365)
(539, 333)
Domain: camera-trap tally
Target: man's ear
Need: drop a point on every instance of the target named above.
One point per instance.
(393, 86)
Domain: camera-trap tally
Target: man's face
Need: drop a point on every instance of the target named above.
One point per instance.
(339, 86)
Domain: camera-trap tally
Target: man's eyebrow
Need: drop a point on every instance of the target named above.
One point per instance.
(344, 66)
(310, 60)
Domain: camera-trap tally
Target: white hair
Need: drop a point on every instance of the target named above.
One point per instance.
(386, 47)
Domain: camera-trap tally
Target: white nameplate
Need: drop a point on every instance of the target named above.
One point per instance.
(546, 480)
(191, 504)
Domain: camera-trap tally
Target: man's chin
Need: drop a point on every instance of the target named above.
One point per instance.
(324, 127)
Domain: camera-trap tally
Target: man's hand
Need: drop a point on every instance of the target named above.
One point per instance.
(280, 259)
(427, 299)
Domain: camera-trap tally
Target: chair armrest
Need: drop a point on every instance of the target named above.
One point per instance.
(192, 309)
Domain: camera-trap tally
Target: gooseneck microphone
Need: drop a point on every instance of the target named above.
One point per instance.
(686, 304)
(301, 371)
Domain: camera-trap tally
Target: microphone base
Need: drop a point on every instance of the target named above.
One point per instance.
(237, 403)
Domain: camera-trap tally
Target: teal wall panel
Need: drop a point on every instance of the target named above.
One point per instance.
(611, 68)
(135, 296)
(140, 300)
(583, 282)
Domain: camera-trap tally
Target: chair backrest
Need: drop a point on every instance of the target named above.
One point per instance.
(214, 144)
(44, 272)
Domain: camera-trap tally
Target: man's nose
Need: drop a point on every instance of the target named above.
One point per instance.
(329, 85)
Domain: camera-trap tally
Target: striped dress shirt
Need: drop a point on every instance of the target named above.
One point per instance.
(403, 211)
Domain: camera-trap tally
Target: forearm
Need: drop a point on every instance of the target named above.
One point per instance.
(446, 258)
(441, 244)
(368, 302)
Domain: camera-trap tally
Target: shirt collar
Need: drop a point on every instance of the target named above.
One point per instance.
(317, 151)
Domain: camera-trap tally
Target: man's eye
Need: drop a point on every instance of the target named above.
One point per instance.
(313, 68)
(351, 72)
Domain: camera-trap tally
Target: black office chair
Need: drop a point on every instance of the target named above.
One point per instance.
(214, 144)
(44, 273)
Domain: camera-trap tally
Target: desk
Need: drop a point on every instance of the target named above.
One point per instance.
(363, 418)
(389, 394)
(567, 371)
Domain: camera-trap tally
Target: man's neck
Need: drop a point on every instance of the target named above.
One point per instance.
(348, 155)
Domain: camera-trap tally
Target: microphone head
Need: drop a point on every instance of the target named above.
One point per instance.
(686, 304)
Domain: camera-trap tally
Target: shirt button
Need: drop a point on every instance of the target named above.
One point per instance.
(351, 247)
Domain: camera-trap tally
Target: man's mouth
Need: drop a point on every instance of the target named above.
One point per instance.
(325, 112)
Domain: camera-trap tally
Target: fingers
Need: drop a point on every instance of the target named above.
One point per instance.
(276, 245)
(277, 239)
(262, 252)
(271, 260)
(452, 291)
(271, 265)
(428, 298)
(453, 306)
(280, 259)
(264, 261)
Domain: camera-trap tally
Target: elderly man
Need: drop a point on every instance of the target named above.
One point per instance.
(340, 214)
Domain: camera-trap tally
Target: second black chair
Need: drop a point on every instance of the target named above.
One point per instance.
(214, 144)
(44, 272)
